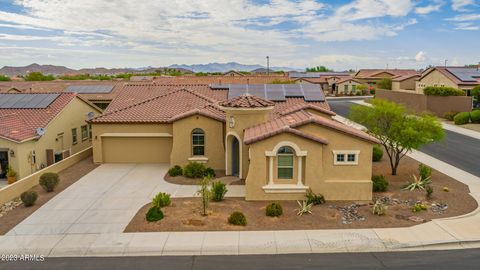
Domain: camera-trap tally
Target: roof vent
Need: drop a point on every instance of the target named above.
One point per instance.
(41, 131)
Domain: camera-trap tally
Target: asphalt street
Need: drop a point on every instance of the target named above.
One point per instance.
(456, 149)
(438, 260)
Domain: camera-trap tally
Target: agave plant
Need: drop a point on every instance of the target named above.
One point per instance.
(418, 183)
(379, 208)
(304, 208)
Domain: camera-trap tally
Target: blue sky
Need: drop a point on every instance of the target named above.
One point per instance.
(339, 34)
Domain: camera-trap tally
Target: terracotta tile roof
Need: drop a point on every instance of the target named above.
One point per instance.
(405, 77)
(247, 101)
(346, 80)
(305, 106)
(281, 107)
(210, 110)
(316, 80)
(161, 109)
(221, 79)
(21, 124)
(292, 121)
(371, 73)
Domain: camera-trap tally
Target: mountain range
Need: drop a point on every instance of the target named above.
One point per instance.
(62, 70)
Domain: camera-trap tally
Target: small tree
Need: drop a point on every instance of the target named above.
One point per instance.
(385, 84)
(476, 94)
(205, 193)
(318, 69)
(398, 131)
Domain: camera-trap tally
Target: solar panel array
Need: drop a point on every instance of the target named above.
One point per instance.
(465, 74)
(315, 74)
(26, 101)
(278, 92)
(90, 89)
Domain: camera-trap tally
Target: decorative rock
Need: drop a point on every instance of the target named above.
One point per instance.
(9, 206)
(439, 208)
(350, 213)
(416, 219)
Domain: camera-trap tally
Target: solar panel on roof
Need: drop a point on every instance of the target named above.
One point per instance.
(312, 92)
(293, 90)
(90, 89)
(275, 92)
(465, 74)
(278, 92)
(26, 101)
(257, 90)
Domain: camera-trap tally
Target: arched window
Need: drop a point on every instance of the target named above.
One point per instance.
(198, 142)
(285, 162)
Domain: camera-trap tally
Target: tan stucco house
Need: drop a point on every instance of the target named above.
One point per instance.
(464, 78)
(371, 77)
(405, 82)
(36, 130)
(281, 147)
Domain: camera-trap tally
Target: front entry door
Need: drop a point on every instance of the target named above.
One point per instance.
(235, 157)
(3, 163)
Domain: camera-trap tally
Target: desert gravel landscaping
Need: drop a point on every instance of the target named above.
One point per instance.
(185, 213)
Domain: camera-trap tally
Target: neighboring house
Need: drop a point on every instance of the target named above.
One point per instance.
(347, 86)
(464, 78)
(370, 77)
(282, 146)
(233, 73)
(100, 93)
(326, 80)
(36, 130)
(405, 82)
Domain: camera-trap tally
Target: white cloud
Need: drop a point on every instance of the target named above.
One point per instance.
(459, 5)
(464, 18)
(429, 8)
(421, 56)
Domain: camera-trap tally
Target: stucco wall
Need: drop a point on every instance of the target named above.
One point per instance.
(335, 182)
(72, 116)
(349, 84)
(418, 103)
(214, 141)
(14, 190)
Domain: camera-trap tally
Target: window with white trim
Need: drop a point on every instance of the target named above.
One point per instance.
(285, 162)
(345, 157)
(198, 142)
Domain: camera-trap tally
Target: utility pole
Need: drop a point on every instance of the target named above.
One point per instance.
(446, 62)
(268, 65)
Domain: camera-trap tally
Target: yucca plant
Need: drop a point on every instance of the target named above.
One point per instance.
(418, 183)
(304, 208)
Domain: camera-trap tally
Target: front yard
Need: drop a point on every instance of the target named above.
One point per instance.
(184, 214)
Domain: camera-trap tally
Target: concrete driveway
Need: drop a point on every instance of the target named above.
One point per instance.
(104, 201)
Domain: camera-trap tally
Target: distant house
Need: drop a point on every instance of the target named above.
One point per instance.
(347, 86)
(37, 130)
(464, 78)
(233, 73)
(370, 77)
(327, 80)
(405, 82)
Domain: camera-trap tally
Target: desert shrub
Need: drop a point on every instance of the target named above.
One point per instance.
(428, 191)
(154, 214)
(218, 191)
(372, 91)
(419, 207)
(442, 91)
(358, 93)
(29, 197)
(205, 193)
(11, 172)
(161, 200)
(175, 171)
(237, 218)
(462, 118)
(385, 83)
(49, 181)
(475, 116)
(380, 184)
(424, 171)
(194, 170)
(314, 199)
(274, 210)
(379, 208)
(377, 153)
(449, 115)
(418, 183)
(210, 172)
(304, 208)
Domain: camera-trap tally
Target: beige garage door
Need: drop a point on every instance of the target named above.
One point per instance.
(136, 150)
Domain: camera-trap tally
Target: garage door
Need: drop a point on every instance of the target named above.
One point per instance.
(136, 150)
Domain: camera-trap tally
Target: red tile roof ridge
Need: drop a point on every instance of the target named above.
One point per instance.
(247, 101)
(201, 111)
(303, 106)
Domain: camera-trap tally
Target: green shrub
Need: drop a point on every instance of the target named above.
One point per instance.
(442, 91)
(380, 184)
(428, 191)
(194, 170)
(377, 153)
(218, 191)
(419, 207)
(385, 83)
(274, 210)
(49, 181)
(424, 171)
(161, 200)
(237, 218)
(475, 116)
(210, 172)
(29, 197)
(175, 171)
(154, 214)
(449, 115)
(314, 199)
(462, 118)
(11, 172)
